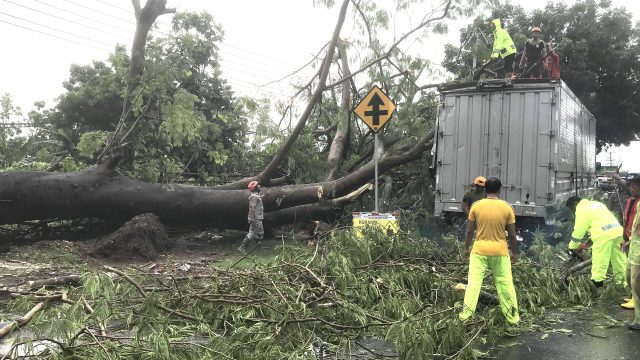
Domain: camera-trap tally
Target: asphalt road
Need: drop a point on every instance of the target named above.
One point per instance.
(581, 333)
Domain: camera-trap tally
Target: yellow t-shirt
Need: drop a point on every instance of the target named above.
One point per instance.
(491, 217)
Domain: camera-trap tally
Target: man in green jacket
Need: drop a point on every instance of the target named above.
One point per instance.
(503, 46)
(606, 235)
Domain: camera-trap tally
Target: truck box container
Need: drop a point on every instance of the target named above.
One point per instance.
(534, 135)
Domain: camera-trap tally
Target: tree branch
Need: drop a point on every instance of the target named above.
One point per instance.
(337, 151)
(394, 45)
(264, 176)
(315, 57)
(7, 329)
(136, 7)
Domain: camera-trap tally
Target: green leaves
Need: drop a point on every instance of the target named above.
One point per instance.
(182, 123)
(92, 142)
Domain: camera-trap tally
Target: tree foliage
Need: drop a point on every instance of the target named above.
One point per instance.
(191, 123)
(11, 143)
(598, 47)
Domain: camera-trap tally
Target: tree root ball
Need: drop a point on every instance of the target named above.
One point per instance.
(143, 237)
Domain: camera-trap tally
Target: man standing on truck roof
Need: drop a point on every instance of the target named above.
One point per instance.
(628, 217)
(503, 46)
(606, 234)
(488, 219)
(475, 193)
(533, 55)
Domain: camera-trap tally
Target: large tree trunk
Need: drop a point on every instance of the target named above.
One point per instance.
(145, 18)
(102, 192)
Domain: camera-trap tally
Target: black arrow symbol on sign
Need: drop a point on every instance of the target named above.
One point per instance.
(375, 112)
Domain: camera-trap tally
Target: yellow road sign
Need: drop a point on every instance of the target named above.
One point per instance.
(375, 109)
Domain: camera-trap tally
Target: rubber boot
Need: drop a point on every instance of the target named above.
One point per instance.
(628, 305)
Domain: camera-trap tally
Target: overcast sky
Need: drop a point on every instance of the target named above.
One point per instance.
(264, 40)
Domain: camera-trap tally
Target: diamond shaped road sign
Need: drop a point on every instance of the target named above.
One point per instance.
(375, 109)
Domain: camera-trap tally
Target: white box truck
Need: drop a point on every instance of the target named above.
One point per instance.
(533, 134)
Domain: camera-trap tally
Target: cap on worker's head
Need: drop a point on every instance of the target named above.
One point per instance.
(573, 201)
(252, 185)
(535, 28)
(480, 181)
(634, 180)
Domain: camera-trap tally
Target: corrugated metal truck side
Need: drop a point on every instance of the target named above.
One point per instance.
(535, 135)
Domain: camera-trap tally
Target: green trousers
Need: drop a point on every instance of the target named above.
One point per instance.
(634, 267)
(635, 286)
(603, 252)
(500, 266)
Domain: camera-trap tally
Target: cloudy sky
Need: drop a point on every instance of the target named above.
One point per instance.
(264, 41)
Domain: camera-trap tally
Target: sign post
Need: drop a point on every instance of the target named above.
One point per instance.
(375, 110)
(375, 165)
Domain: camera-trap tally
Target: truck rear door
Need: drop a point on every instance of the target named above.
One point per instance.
(525, 157)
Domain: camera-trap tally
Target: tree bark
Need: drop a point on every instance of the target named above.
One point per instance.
(327, 211)
(338, 147)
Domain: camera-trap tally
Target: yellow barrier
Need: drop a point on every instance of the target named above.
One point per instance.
(388, 222)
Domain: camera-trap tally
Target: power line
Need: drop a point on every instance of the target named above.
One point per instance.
(64, 19)
(83, 16)
(253, 61)
(277, 91)
(86, 26)
(115, 6)
(158, 22)
(131, 22)
(256, 73)
(256, 87)
(54, 29)
(97, 11)
(258, 54)
(52, 35)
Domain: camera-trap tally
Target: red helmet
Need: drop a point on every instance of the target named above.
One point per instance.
(252, 185)
(536, 29)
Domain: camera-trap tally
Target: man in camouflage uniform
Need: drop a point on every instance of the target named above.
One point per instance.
(255, 217)
(475, 193)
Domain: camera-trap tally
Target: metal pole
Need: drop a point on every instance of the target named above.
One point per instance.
(375, 161)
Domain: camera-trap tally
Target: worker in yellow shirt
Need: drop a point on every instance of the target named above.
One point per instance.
(488, 219)
(606, 235)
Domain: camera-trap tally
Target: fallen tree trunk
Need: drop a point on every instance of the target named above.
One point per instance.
(102, 192)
